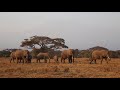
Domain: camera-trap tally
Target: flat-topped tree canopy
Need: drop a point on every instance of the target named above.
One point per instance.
(44, 42)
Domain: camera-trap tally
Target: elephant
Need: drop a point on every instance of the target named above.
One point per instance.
(22, 55)
(100, 54)
(29, 58)
(68, 54)
(55, 58)
(43, 56)
(12, 56)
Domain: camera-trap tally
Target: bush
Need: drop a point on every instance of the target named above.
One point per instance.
(4, 53)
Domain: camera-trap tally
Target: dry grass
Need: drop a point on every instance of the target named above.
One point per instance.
(80, 69)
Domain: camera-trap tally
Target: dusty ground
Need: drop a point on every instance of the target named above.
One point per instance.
(80, 69)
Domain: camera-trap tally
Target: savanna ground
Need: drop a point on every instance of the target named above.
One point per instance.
(80, 69)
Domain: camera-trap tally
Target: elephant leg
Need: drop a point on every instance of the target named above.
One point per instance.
(20, 60)
(57, 60)
(23, 61)
(45, 61)
(17, 60)
(73, 60)
(91, 61)
(26, 61)
(36, 60)
(101, 60)
(61, 60)
(70, 60)
(30, 61)
(14, 60)
(39, 61)
(10, 60)
(95, 61)
(106, 60)
(64, 60)
(49, 60)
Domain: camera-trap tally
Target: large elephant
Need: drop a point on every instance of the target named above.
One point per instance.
(22, 55)
(100, 54)
(43, 56)
(12, 56)
(68, 54)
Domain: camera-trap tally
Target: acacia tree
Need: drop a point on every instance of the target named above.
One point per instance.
(58, 43)
(43, 43)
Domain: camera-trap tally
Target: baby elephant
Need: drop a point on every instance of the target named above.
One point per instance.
(29, 58)
(55, 58)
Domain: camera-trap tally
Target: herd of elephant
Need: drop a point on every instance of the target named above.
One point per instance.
(23, 56)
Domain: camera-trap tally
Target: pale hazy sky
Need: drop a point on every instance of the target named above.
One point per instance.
(81, 30)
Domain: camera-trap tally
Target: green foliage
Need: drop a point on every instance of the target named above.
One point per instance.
(34, 52)
(85, 53)
(4, 53)
(115, 54)
(44, 43)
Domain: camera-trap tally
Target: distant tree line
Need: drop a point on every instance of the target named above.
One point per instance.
(77, 53)
(6, 52)
(52, 46)
(87, 53)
